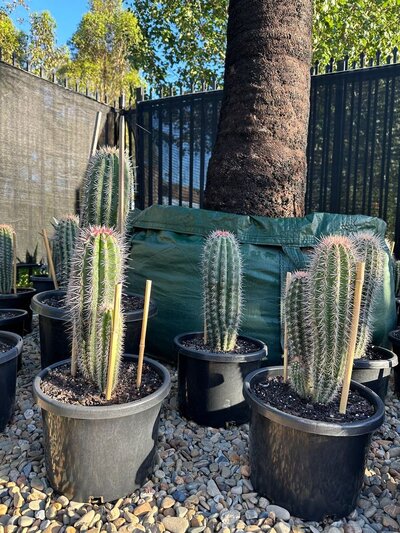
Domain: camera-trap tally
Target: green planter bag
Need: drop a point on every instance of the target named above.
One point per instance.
(166, 244)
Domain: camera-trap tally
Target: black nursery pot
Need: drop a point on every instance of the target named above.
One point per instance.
(103, 452)
(13, 324)
(21, 300)
(313, 469)
(8, 376)
(210, 385)
(42, 283)
(396, 348)
(55, 343)
(375, 374)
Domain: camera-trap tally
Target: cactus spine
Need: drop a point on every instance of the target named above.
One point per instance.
(65, 234)
(97, 267)
(323, 308)
(222, 273)
(101, 187)
(6, 258)
(369, 250)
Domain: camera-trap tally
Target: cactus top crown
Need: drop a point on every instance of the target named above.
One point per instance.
(6, 228)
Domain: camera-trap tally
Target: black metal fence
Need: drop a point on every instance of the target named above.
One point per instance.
(353, 145)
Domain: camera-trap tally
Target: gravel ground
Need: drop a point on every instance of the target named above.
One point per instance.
(200, 482)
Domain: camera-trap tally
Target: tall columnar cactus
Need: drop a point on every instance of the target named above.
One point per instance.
(6, 258)
(96, 268)
(369, 249)
(222, 279)
(319, 305)
(65, 233)
(100, 194)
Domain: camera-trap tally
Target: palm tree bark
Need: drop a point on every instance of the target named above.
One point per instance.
(258, 165)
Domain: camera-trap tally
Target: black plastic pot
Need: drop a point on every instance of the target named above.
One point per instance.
(375, 374)
(101, 453)
(396, 348)
(14, 324)
(8, 376)
(42, 283)
(210, 385)
(313, 469)
(55, 344)
(21, 300)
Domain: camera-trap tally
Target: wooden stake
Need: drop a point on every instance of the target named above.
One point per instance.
(14, 238)
(205, 329)
(392, 243)
(96, 132)
(353, 337)
(49, 258)
(74, 362)
(143, 333)
(285, 347)
(116, 320)
(121, 188)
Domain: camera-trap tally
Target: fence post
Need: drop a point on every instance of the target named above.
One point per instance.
(138, 135)
(337, 150)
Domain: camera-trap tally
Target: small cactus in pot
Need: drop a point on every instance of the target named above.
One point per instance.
(100, 194)
(65, 233)
(222, 298)
(318, 311)
(97, 267)
(6, 258)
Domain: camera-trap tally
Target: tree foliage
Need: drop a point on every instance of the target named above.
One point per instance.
(12, 40)
(186, 39)
(42, 49)
(106, 49)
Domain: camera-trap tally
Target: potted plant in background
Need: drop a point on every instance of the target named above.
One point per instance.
(98, 424)
(10, 350)
(12, 298)
(50, 305)
(372, 364)
(394, 335)
(307, 451)
(212, 364)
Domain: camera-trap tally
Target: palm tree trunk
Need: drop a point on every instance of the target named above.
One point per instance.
(258, 165)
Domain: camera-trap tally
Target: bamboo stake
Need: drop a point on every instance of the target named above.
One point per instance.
(143, 333)
(353, 337)
(121, 188)
(74, 362)
(205, 329)
(116, 320)
(392, 243)
(96, 132)
(285, 347)
(14, 237)
(49, 258)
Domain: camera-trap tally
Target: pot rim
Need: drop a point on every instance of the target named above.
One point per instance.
(20, 293)
(60, 313)
(13, 352)
(347, 429)
(390, 362)
(102, 412)
(220, 357)
(22, 313)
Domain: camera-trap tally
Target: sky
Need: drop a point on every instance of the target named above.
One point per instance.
(67, 14)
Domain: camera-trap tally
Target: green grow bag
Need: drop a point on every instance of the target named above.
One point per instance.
(166, 246)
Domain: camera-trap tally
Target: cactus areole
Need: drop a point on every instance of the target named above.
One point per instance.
(6, 258)
(222, 299)
(97, 268)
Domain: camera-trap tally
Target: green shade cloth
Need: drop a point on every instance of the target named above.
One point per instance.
(166, 246)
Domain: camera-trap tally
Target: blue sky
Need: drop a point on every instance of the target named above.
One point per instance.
(67, 14)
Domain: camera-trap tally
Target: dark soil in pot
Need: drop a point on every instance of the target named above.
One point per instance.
(394, 337)
(314, 469)
(374, 369)
(210, 384)
(42, 283)
(21, 300)
(86, 445)
(55, 344)
(10, 349)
